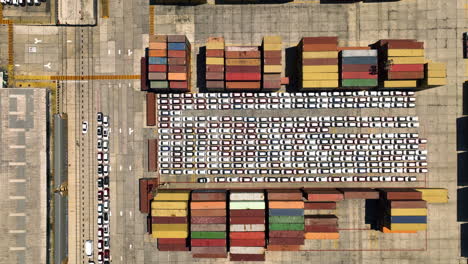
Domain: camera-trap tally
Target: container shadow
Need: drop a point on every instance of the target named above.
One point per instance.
(201, 70)
(465, 98)
(241, 2)
(462, 206)
(464, 240)
(462, 132)
(178, 2)
(291, 69)
(462, 169)
(339, 2)
(372, 213)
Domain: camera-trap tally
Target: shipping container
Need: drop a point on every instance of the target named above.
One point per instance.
(359, 60)
(215, 68)
(406, 68)
(408, 211)
(208, 242)
(157, 68)
(320, 212)
(286, 212)
(177, 61)
(358, 75)
(243, 76)
(246, 257)
(241, 62)
(172, 241)
(215, 84)
(241, 48)
(208, 219)
(247, 204)
(247, 220)
(247, 242)
(405, 52)
(272, 39)
(243, 68)
(272, 46)
(318, 84)
(359, 193)
(247, 213)
(319, 47)
(157, 60)
(406, 60)
(247, 235)
(243, 85)
(208, 212)
(210, 227)
(146, 187)
(215, 195)
(296, 234)
(217, 53)
(310, 76)
(247, 250)
(405, 75)
(247, 228)
(286, 219)
(282, 195)
(285, 241)
(359, 82)
(284, 227)
(168, 234)
(400, 84)
(158, 212)
(177, 69)
(319, 40)
(407, 204)
(323, 195)
(320, 55)
(283, 247)
(400, 194)
(152, 154)
(158, 46)
(271, 54)
(169, 220)
(176, 46)
(214, 61)
(207, 205)
(321, 228)
(407, 227)
(159, 85)
(176, 53)
(157, 76)
(151, 118)
(434, 195)
(359, 53)
(408, 45)
(320, 68)
(215, 43)
(242, 54)
(328, 61)
(272, 68)
(321, 220)
(222, 255)
(286, 204)
(388, 231)
(369, 68)
(158, 38)
(167, 247)
(207, 235)
(208, 250)
(157, 53)
(169, 205)
(409, 219)
(214, 76)
(179, 86)
(176, 38)
(315, 235)
(272, 61)
(319, 205)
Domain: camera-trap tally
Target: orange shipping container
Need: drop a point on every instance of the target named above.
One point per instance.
(388, 231)
(322, 235)
(176, 53)
(286, 204)
(243, 85)
(157, 45)
(242, 54)
(177, 76)
(208, 205)
(158, 38)
(251, 62)
(157, 53)
(217, 212)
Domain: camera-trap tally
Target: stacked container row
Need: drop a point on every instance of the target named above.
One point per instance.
(208, 224)
(318, 63)
(169, 211)
(247, 226)
(285, 220)
(215, 64)
(272, 63)
(169, 63)
(435, 74)
(243, 68)
(403, 210)
(320, 213)
(359, 68)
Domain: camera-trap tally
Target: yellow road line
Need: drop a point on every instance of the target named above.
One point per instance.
(10, 44)
(151, 20)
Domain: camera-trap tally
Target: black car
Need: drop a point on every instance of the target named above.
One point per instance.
(99, 117)
(106, 181)
(100, 169)
(100, 183)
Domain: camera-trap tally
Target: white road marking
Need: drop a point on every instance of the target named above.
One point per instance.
(130, 52)
(120, 167)
(17, 146)
(47, 65)
(120, 130)
(130, 130)
(69, 41)
(13, 163)
(121, 258)
(130, 246)
(37, 40)
(108, 52)
(16, 214)
(130, 167)
(16, 180)
(120, 85)
(17, 248)
(17, 197)
(120, 52)
(17, 231)
(17, 65)
(121, 213)
(130, 213)
(129, 84)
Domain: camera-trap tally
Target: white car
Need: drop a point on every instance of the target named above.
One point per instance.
(245, 179)
(220, 179)
(258, 179)
(271, 179)
(84, 127)
(233, 179)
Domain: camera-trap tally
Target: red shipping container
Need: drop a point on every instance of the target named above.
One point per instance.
(320, 206)
(208, 220)
(272, 77)
(172, 248)
(321, 220)
(283, 247)
(369, 68)
(272, 84)
(324, 61)
(177, 61)
(407, 68)
(176, 54)
(247, 242)
(407, 45)
(214, 68)
(178, 85)
(243, 69)
(214, 76)
(176, 38)
(144, 75)
(272, 54)
(294, 234)
(321, 228)
(157, 76)
(408, 204)
(323, 195)
(169, 220)
(223, 255)
(285, 241)
(242, 54)
(272, 61)
(172, 241)
(247, 220)
(319, 47)
(209, 212)
(212, 196)
(177, 68)
(208, 242)
(215, 53)
(209, 250)
(400, 194)
(243, 76)
(320, 40)
(283, 195)
(243, 85)
(150, 110)
(246, 257)
(247, 235)
(382, 42)
(405, 75)
(157, 68)
(215, 84)
(255, 212)
(358, 75)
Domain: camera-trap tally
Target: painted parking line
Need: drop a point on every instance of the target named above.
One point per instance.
(16, 180)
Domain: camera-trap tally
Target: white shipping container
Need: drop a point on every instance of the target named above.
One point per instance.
(238, 48)
(247, 196)
(359, 53)
(247, 228)
(247, 250)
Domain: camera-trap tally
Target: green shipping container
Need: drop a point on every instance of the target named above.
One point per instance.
(359, 82)
(286, 227)
(286, 219)
(159, 85)
(208, 235)
(247, 205)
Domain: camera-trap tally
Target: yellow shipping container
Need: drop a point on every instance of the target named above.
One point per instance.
(436, 66)
(406, 52)
(272, 39)
(320, 68)
(408, 211)
(241, 62)
(172, 196)
(407, 60)
(162, 212)
(320, 55)
(434, 195)
(320, 83)
(168, 205)
(436, 74)
(215, 45)
(214, 61)
(169, 234)
(408, 227)
(169, 227)
(396, 84)
(272, 46)
(272, 68)
(436, 81)
(319, 76)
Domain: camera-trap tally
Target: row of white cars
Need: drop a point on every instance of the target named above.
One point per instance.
(310, 179)
(21, 2)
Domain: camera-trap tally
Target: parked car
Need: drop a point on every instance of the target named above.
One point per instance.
(84, 127)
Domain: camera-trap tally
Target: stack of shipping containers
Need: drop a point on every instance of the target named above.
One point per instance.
(359, 68)
(208, 224)
(320, 214)
(157, 63)
(434, 195)
(402, 210)
(402, 61)
(247, 226)
(272, 63)
(215, 64)
(169, 211)
(435, 74)
(179, 57)
(318, 63)
(243, 68)
(285, 220)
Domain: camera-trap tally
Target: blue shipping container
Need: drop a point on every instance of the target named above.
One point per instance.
(409, 219)
(157, 60)
(286, 212)
(176, 46)
(359, 60)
